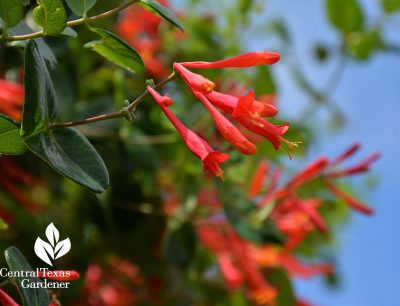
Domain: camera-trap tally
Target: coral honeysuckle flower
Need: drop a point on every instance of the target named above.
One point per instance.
(228, 104)
(256, 183)
(242, 60)
(195, 81)
(346, 154)
(361, 167)
(11, 99)
(230, 132)
(60, 275)
(309, 173)
(232, 275)
(353, 203)
(6, 300)
(197, 145)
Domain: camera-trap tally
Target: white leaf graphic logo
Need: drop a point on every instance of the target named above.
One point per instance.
(48, 251)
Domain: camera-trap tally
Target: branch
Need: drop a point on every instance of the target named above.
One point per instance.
(75, 22)
(122, 113)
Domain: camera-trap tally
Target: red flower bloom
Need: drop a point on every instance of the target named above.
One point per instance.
(228, 104)
(230, 132)
(243, 60)
(258, 179)
(353, 203)
(362, 166)
(59, 275)
(195, 81)
(194, 142)
(6, 300)
(11, 99)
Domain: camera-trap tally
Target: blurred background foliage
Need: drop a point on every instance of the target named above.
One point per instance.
(127, 246)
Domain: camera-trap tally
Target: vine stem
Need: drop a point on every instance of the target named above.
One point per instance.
(122, 113)
(74, 23)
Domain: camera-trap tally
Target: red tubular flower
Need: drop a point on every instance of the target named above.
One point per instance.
(243, 60)
(299, 269)
(228, 104)
(346, 154)
(353, 203)
(11, 99)
(362, 166)
(195, 81)
(309, 173)
(59, 275)
(258, 179)
(232, 276)
(309, 207)
(227, 129)
(6, 300)
(197, 145)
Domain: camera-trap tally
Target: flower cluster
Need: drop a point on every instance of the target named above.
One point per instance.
(11, 99)
(247, 263)
(245, 110)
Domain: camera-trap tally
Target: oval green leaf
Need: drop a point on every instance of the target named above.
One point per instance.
(157, 8)
(40, 98)
(80, 7)
(10, 140)
(345, 15)
(51, 16)
(30, 296)
(10, 12)
(116, 51)
(69, 153)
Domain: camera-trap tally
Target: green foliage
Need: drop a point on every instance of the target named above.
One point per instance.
(116, 50)
(156, 7)
(10, 12)
(72, 155)
(10, 139)
(345, 15)
(80, 7)
(391, 6)
(30, 296)
(3, 225)
(51, 16)
(40, 97)
(280, 280)
(180, 245)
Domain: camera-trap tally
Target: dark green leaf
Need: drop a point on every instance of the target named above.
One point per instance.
(80, 7)
(25, 2)
(116, 50)
(391, 6)
(181, 245)
(51, 16)
(40, 98)
(156, 7)
(280, 280)
(72, 155)
(345, 15)
(30, 296)
(44, 49)
(10, 139)
(68, 32)
(10, 12)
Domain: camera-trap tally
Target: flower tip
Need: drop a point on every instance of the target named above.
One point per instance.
(273, 57)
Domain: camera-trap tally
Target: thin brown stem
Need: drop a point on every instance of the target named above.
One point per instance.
(122, 113)
(139, 99)
(87, 120)
(75, 22)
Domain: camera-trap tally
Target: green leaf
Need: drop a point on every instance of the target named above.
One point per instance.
(390, 6)
(116, 50)
(280, 280)
(68, 32)
(51, 16)
(25, 2)
(45, 51)
(80, 7)
(10, 12)
(10, 139)
(156, 7)
(30, 296)
(40, 98)
(181, 245)
(69, 153)
(345, 15)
